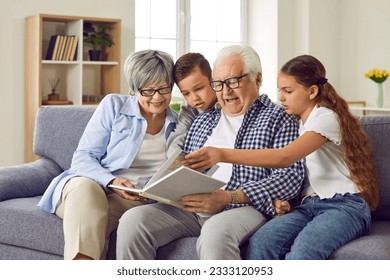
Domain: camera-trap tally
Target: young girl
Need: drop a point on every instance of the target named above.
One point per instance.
(341, 186)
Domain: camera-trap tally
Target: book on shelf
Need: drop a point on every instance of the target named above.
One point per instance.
(73, 51)
(62, 47)
(60, 39)
(50, 48)
(173, 181)
(56, 47)
(67, 48)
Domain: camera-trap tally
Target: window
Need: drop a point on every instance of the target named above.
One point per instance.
(181, 26)
(155, 25)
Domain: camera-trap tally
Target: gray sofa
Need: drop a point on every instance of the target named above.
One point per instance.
(27, 232)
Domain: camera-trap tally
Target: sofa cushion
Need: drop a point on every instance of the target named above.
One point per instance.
(180, 249)
(378, 130)
(58, 123)
(29, 179)
(375, 246)
(24, 224)
(9, 252)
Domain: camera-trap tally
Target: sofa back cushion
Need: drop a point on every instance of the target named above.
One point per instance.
(58, 130)
(378, 130)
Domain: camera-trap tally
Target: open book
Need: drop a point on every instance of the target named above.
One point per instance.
(176, 181)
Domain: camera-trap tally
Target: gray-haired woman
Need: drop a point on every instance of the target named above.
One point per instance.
(123, 143)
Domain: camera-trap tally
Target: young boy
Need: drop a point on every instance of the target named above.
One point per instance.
(192, 74)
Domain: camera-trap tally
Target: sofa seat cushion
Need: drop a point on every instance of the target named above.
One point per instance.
(375, 246)
(185, 249)
(9, 252)
(180, 249)
(24, 224)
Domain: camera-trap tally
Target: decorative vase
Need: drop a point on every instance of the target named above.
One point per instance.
(53, 96)
(94, 55)
(379, 99)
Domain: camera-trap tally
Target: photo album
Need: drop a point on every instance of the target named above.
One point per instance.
(173, 180)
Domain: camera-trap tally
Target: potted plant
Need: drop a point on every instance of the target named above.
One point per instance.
(97, 36)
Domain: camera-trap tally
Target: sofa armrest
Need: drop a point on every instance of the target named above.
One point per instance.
(26, 180)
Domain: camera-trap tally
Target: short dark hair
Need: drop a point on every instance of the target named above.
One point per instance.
(187, 63)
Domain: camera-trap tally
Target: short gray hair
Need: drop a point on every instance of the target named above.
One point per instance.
(251, 59)
(148, 67)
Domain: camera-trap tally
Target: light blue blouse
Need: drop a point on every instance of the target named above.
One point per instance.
(110, 142)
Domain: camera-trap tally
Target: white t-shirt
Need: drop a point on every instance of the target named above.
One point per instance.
(326, 172)
(149, 159)
(224, 136)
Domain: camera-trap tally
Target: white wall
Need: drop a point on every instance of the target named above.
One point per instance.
(12, 15)
(349, 37)
(262, 36)
(365, 44)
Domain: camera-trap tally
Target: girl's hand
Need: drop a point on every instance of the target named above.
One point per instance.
(203, 158)
(281, 207)
(124, 194)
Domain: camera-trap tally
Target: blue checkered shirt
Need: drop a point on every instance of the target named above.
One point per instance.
(265, 125)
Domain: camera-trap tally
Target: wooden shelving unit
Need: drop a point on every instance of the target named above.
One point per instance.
(82, 82)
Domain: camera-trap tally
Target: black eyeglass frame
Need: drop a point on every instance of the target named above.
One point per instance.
(227, 82)
(142, 91)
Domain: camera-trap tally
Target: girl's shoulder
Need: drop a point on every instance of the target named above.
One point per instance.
(323, 111)
(325, 122)
(323, 115)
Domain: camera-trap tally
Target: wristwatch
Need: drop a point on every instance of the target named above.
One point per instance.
(235, 199)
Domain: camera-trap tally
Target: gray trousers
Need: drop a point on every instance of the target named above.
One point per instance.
(142, 230)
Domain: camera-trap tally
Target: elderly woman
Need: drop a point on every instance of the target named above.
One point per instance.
(123, 143)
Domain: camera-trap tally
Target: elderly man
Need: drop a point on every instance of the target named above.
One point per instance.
(226, 218)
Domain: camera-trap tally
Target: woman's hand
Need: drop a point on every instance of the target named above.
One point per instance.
(124, 194)
(281, 207)
(203, 158)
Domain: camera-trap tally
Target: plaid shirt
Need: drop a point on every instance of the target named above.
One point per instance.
(265, 125)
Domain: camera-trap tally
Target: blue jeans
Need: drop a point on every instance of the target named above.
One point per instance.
(312, 230)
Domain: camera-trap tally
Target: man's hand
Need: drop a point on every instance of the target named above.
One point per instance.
(211, 203)
(203, 158)
(281, 207)
(124, 194)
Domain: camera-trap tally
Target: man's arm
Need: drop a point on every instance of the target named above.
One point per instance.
(274, 183)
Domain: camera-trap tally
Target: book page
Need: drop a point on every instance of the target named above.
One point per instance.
(182, 181)
(172, 187)
(169, 165)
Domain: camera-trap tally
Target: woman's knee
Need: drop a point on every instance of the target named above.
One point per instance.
(85, 187)
(84, 193)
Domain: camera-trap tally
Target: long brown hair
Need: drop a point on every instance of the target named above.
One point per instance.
(308, 71)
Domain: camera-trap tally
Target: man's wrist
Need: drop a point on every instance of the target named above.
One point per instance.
(234, 197)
